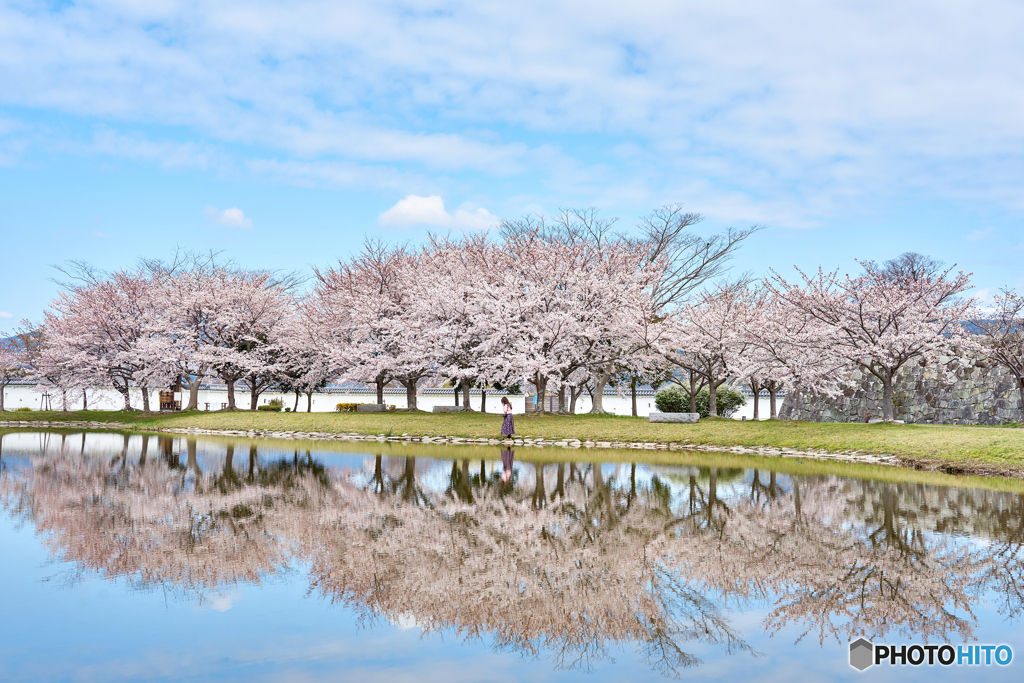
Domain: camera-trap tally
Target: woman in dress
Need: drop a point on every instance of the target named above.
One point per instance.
(508, 426)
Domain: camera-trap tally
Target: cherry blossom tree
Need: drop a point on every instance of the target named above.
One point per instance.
(193, 309)
(12, 365)
(363, 308)
(569, 301)
(215, 318)
(1002, 335)
(451, 312)
(879, 322)
(707, 337)
(786, 351)
(305, 365)
(98, 327)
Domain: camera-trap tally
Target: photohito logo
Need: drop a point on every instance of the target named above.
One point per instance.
(864, 653)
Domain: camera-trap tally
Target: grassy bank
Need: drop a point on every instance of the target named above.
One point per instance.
(966, 449)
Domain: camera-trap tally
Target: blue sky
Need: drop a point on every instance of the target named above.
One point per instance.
(281, 133)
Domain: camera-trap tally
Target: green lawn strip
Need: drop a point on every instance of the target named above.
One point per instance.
(968, 446)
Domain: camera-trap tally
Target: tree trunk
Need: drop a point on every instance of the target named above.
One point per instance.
(3, 389)
(455, 389)
(295, 409)
(1020, 390)
(712, 399)
(145, 399)
(772, 392)
(483, 399)
(193, 393)
(309, 401)
(85, 401)
(562, 408)
(693, 393)
(465, 395)
(380, 389)
(574, 394)
(192, 462)
(231, 395)
(540, 497)
(597, 405)
(126, 393)
(755, 386)
(541, 382)
(632, 391)
(887, 407)
(712, 494)
(254, 394)
(410, 393)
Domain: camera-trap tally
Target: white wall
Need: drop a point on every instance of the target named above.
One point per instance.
(108, 399)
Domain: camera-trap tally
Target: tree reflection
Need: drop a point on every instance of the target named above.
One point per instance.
(569, 559)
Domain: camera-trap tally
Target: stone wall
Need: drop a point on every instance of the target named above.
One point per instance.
(976, 393)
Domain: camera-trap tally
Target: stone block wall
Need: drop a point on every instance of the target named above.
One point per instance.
(977, 392)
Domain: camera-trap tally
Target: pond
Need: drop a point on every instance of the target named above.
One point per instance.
(181, 559)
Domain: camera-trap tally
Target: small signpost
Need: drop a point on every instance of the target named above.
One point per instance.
(171, 398)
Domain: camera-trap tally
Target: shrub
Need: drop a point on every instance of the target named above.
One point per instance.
(672, 400)
(287, 410)
(23, 409)
(675, 400)
(351, 407)
(275, 405)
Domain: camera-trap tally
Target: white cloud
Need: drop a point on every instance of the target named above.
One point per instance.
(477, 219)
(801, 109)
(978, 235)
(167, 153)
(416, 210)
(229, 218)
(5, 314)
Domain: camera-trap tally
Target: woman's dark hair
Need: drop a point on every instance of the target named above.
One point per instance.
(504, 399)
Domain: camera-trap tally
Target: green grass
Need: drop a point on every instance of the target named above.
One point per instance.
(968, 449)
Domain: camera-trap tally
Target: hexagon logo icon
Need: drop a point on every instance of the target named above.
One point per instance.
(861, 654)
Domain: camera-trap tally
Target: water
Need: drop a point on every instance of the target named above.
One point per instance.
(157, 558)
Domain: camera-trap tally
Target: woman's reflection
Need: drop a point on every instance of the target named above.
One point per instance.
(507, 457)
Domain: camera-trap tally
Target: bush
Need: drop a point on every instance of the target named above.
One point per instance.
(727, 398)
(351, 407)
(675, 400)
(22, 409)
(274, 405)
(672, 400)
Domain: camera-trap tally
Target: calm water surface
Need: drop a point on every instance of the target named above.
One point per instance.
(157, 558)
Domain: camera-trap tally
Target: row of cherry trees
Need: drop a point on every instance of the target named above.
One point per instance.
(564, 305)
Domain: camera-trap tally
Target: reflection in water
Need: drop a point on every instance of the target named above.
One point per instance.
(566, 559)
(508, 456)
